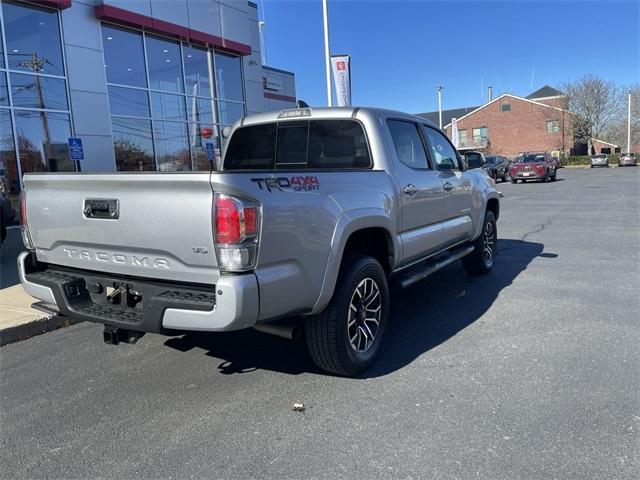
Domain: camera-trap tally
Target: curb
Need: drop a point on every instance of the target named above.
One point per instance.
(32, 329)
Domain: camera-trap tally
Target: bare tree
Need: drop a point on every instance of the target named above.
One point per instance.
(595, 103)
(617, 131)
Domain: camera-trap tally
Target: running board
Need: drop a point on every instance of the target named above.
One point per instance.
(423, 269)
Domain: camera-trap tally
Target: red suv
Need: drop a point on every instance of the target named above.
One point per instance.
(533, 166)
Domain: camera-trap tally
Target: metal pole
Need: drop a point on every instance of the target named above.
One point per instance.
(327, 59)
(440, 88)
(629, 123)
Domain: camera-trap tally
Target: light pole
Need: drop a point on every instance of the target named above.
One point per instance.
(629, 122)
(327, 59)
(440, 88)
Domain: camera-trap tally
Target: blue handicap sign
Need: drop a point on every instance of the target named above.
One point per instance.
(211, 152)
(76, 151)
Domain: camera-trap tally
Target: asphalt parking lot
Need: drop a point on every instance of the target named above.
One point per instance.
(529, 372)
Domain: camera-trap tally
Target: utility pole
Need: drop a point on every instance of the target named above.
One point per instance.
(327, 59)
(629, 122)
(440, 88)
(35, 64)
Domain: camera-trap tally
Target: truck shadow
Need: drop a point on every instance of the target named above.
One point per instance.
(423, 316)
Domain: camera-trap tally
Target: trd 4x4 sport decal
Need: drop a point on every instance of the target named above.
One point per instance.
(297, 184)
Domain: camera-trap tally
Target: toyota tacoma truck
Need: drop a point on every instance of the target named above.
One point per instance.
(314, 214)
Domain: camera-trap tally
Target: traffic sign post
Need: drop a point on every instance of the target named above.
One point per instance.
(76, 152)
(211, 153)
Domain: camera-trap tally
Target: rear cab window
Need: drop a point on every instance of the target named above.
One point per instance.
(296, 145)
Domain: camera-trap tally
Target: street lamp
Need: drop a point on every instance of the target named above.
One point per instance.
(440, 88)
(629, 122)
(327, 59)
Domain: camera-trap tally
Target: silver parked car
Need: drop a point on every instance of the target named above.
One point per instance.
(600, 160)
(627, 160)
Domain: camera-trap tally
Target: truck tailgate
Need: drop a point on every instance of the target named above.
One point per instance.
(162, 228)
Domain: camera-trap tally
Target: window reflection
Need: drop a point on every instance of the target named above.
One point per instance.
(172, 146)
(228, 77)
(33, 38)
(164, 63)
(196, 71)
(133, 144)
(35, 91)
(4, 92)
(167, 106)
(230, 112)
(1, 49)
(42, 141)
(9, 181)
(128, 101)
(123, 57)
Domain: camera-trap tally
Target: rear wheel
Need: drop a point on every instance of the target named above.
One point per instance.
(345, 338)
(480, 260)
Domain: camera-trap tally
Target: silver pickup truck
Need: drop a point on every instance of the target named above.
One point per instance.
(310, 219)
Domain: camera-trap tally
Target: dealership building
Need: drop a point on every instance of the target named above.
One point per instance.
(146, 85)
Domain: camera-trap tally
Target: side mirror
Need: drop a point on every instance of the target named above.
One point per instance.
(474, 160)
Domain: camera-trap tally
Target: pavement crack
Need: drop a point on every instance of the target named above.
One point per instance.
(539, 229)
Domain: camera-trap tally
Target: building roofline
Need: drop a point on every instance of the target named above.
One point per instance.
(606, 143)
(548, 98)
(278, 70)
(502, 96)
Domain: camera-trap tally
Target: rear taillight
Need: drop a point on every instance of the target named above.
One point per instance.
(24, 227)
(237, 226)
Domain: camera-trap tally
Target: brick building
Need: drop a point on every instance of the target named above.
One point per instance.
(509, 124)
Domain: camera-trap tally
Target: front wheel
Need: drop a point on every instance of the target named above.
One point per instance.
(345, 338)
(480, 260)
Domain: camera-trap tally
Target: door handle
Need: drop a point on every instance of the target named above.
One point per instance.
(448, 186)
(409, 190)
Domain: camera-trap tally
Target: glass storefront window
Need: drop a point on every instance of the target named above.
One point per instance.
(4, 93)
(35, 123)
(196, 72)
(230, 112)
(199, 135)
(228, 77)
(9, 177)
(1, 49)
(35, 91)
(42, 141)
(128, 101)
(200, 110)
(33, 38)
(167, 107)
(123, 57)
(165, 65)
(192, 93)
(172, 146)
(133, 144)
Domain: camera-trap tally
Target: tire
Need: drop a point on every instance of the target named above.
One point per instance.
(328, 333)
(513, 180)
(477, 263)
(547, 177)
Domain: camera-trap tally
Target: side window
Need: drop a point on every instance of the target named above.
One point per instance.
(337, 144)
(442, 152)
(408, 144)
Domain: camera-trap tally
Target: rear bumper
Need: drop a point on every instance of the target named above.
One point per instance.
(143, 305)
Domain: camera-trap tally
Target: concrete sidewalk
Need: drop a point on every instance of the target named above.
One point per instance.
(17, 319)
